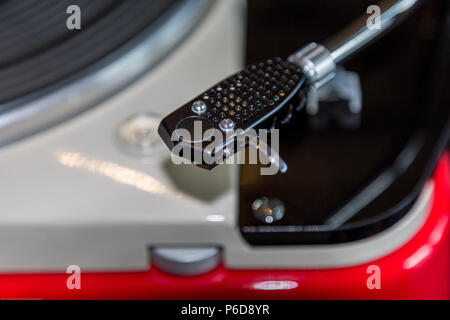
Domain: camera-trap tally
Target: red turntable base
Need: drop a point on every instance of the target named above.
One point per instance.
(418, 270)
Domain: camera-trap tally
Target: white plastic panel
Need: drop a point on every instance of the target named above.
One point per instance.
(70, 195)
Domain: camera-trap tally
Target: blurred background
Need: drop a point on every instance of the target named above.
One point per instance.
(75, 190)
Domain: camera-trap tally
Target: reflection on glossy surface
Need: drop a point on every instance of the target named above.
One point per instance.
(275, 285)
(116, 172)
(427, 249)
(420, 255)
(438, 232)
(215, 218)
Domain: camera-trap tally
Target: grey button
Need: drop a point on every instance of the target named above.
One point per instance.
(186, 261)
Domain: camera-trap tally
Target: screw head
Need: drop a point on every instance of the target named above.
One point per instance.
(226, 124)
(268, 210)
(198, 107)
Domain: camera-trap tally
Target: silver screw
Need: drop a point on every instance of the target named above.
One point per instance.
(268, 210)
(226, 124)
(198, 107)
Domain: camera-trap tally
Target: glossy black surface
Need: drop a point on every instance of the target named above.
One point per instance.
(380, 167)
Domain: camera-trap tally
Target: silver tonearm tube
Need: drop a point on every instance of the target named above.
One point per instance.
(318, 62)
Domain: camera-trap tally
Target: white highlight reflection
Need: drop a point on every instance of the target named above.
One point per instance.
(275, 285)
(215, 217)
(420, 255)
(116, 172)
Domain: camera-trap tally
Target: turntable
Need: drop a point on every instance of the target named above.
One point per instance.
(363, 170)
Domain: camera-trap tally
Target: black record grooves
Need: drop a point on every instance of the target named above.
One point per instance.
(38, 50)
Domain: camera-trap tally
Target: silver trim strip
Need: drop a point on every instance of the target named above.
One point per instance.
(52, 108)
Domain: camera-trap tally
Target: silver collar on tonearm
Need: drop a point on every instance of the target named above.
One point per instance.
(318, 62)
